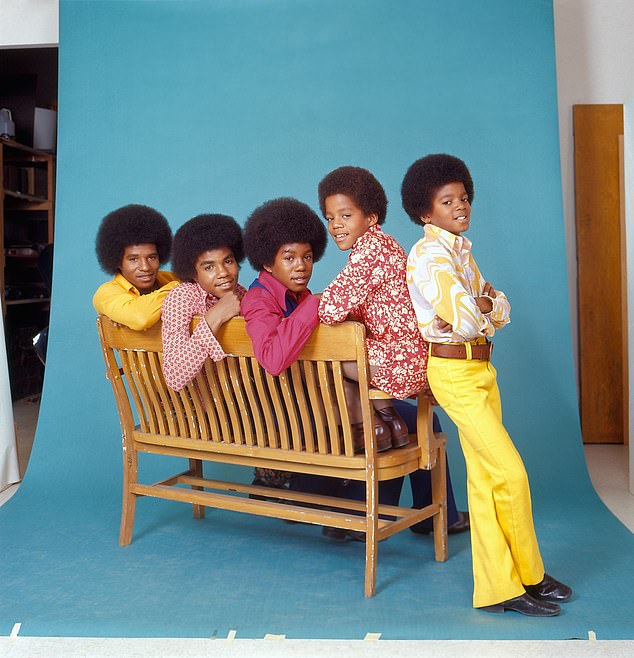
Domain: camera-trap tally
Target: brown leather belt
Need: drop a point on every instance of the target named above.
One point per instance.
(478, 352)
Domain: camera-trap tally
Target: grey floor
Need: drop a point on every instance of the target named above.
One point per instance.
(608, 468)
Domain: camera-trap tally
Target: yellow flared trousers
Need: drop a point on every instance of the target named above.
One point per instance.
(503, 542)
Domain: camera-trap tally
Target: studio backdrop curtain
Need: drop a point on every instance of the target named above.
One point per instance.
(9, 471)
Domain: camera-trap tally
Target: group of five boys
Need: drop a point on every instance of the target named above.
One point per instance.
(429, 318)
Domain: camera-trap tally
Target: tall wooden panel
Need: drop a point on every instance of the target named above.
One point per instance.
(601, 266)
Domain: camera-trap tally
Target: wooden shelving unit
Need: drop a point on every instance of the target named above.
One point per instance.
(27, 210)
(27, 200)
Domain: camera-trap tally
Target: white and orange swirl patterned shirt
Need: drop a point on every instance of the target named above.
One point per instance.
(443, 280)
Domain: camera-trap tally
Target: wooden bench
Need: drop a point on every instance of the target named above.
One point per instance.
(236, 413)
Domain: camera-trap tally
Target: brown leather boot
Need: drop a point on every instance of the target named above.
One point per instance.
(358, 440)
(381, 432)
(397, 426)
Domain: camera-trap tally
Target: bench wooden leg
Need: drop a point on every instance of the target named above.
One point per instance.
(439, 495)
(130, 476)
(196, 467)
(371, 544)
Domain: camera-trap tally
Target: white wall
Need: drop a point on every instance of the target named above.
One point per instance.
(628, 117)
(28, 23)
(595, 61)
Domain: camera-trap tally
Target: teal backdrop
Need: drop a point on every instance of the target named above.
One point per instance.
(195, 107)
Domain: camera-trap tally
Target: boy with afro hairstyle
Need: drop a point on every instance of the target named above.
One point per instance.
(458, 311)
(282, 240)
(131, 243)
(206, 256)
(372, 289)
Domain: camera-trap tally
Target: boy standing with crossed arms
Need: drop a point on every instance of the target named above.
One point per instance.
(458, 311)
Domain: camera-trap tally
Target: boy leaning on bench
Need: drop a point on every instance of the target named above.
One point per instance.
(458, 310)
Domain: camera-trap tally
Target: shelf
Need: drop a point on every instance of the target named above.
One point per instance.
(22, 148)
(28, 201)
(33, 300)
(14, 194)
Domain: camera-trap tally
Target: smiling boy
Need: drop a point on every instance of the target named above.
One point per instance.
(372, 289)
(458, 312)
(131, 243)
(206, 256)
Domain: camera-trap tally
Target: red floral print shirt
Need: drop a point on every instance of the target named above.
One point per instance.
(372, 287)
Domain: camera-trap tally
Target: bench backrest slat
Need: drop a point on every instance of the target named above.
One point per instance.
(343, 410)
(316, 405)
(131, 370)
(207, 380)
(269, 436)
(329, 407)
(299, 395)
(278, 410)
(234, 400)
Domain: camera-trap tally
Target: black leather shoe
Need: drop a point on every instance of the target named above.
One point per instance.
(461, 525)
(550, 590)
(526, 605)
(341, 534)
(397, 426)
(334, 534)
(356, 535)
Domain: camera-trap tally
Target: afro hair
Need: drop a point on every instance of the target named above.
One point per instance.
(278, 222)
(426, 176)
(200, 234)
(359, 185)
(129, 225)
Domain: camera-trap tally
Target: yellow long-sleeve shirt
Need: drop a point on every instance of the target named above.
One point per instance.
(123, 303)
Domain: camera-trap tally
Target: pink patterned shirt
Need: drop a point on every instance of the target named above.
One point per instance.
(183, 353)
(372, 286)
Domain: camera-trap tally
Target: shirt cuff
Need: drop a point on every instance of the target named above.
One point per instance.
(205, 337)
(499, 312)
(308, 310)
